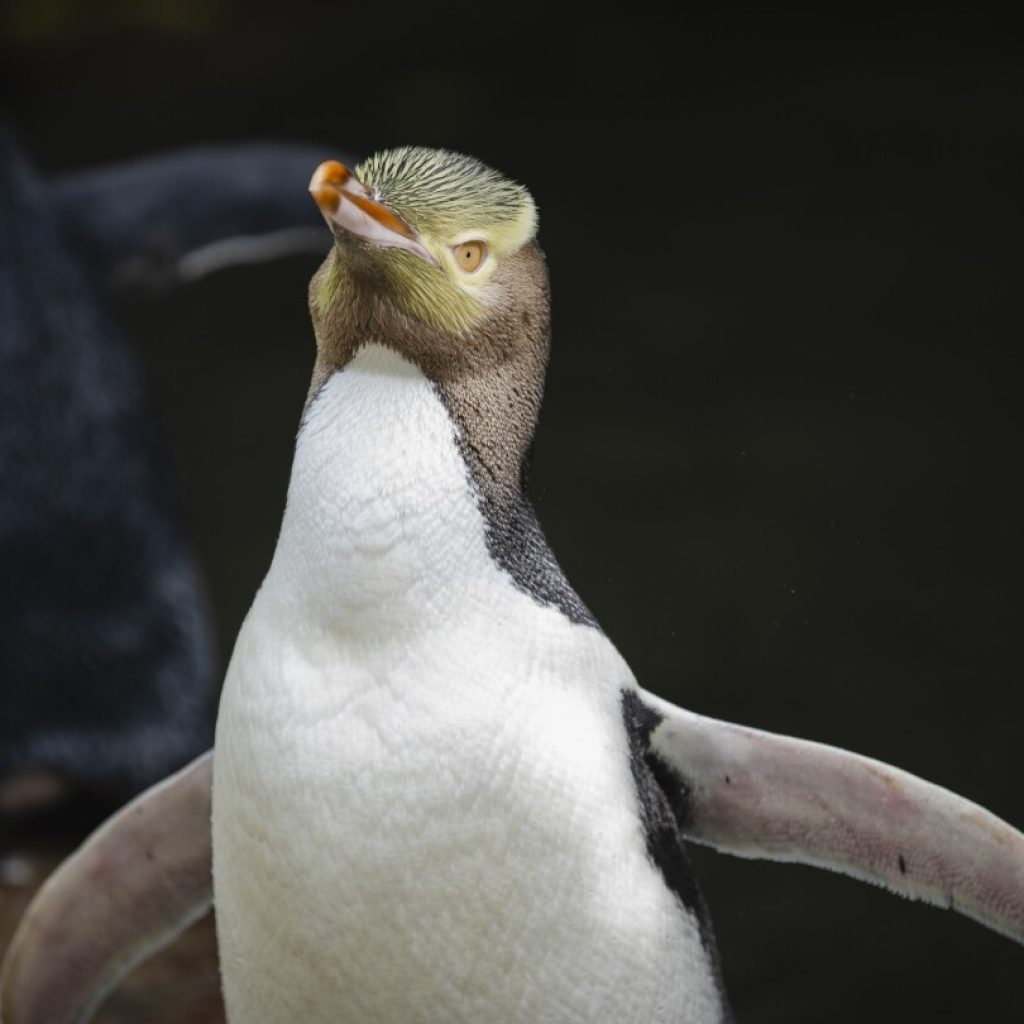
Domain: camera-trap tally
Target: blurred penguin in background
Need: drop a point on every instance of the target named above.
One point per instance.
(107, 666)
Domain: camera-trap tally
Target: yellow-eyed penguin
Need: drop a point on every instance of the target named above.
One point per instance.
(438, 792)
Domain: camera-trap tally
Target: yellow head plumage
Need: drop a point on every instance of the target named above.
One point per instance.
(429, 227)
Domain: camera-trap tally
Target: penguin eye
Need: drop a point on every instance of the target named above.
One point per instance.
(469, 256)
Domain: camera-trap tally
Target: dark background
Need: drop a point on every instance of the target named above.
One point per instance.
(779, 455)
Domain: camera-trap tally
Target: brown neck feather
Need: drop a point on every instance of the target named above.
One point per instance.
(490, 378)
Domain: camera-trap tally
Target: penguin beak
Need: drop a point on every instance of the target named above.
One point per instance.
(347, 203)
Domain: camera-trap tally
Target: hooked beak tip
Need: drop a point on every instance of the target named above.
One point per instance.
(326, 184)
(326, 197)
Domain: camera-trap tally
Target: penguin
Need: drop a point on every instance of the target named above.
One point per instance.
(450, 685)
(107, 665)
(108, 671)
(438, 792)
(152, 224)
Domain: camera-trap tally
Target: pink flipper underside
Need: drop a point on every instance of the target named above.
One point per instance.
(758, 795)
(135, 884)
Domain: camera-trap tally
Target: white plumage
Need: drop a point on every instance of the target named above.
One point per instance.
(423, 805)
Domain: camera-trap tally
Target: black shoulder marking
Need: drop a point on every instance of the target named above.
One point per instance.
(664, 798)
(664, 805)
(513, 534)
(517, 543)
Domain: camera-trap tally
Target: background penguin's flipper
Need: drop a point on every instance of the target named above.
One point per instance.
(152, 224)
(758, 795)
(131, 888)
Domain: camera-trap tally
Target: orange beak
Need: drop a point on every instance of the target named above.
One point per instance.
(348, 204)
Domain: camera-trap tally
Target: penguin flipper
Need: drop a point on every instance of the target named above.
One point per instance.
(155, 223)
(133, 886)
(758, 795)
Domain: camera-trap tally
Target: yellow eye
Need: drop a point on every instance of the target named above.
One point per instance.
(470, 255)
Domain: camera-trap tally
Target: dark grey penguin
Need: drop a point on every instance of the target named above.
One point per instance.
(107, 668)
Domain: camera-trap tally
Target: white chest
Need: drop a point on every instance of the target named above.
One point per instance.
(380, 522)
(423, 804)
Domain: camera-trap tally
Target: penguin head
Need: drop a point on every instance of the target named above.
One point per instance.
(433, 237)
(436, 256)
(436, 226)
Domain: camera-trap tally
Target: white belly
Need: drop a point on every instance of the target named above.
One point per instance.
(423, 806)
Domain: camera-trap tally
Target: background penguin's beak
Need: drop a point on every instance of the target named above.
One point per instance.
(347, 203)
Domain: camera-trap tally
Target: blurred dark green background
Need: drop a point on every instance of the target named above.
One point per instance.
(780, 453)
